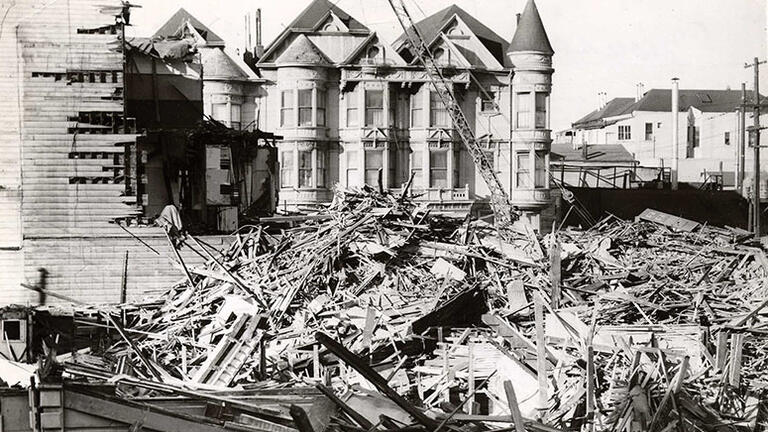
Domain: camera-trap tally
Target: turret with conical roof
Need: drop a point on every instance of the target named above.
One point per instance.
(531, 56)
(530, 34)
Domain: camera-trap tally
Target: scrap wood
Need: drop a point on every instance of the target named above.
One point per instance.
(361, 273)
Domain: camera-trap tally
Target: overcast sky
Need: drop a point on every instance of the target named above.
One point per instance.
(605, 45)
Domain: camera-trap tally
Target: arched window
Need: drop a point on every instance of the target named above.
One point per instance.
(373, 52)
(331, 27)
(438, 54)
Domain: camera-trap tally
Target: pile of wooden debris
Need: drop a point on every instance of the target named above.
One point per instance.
(409, 321)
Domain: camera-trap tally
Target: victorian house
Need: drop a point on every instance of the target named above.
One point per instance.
(354, 109)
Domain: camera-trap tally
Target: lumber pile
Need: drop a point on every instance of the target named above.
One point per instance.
(405, 320)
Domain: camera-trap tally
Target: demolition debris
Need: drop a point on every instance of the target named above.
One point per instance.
(374, 314)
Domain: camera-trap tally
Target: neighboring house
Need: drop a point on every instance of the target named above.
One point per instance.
(708, 131)
(66, 154)
(356, 110)
(600, 166)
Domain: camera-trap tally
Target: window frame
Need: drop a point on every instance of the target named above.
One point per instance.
(434, 169)
(539, 170)
(540, 110)
(305, 109)
(484, 99)
(235, 121)
(417, 110)
(353, 163)
(287, 117)
(417, 167)
(372, 109)
(438, 109)
(648, 131)
(523, 170)
(367, 170)
(286, 170)
(624, 133)
(353, 105)
(304, 178)
(523, 101)
(321, 104)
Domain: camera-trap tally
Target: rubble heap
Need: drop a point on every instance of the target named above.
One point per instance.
(407, 320)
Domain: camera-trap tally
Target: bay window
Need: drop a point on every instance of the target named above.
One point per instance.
(286, 108)
(523, 177)
(305, 107)
(374, 108)
(374, 161)
(438, 169)
(305, 169)
(352, 110)
(438, 113)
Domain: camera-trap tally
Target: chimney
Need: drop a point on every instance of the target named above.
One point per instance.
(258, 49)
(675, 130)
(518, 18)
(640, 88)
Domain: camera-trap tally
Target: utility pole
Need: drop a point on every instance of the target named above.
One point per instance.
(741, 139)
(756, 147)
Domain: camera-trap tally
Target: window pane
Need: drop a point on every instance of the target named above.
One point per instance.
(438, 113)
(374, 108)
(456, 160)
(286, 167)
(541, 110)
(417, 110)
(286, 108)
(540, 170)
(305, 169)
(524, 109)
(416, 169)
(438, 169)
(352, 117)
(305, 107)
(321, 168)
(321, 100)
(373, 162)
(220, 112)
(649, 131)
(523, 170)
(353, 174)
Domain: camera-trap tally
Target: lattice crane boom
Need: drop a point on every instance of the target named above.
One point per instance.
(504, 212)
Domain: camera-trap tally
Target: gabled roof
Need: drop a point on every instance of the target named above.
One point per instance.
(430, 26)
(595, 153)
(393, 58)
(702, 100)
(175, 23)
(303, 51)
(530, 34)
(615, 107)
(317, 11)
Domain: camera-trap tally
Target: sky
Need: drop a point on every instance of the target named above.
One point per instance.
(600, 45)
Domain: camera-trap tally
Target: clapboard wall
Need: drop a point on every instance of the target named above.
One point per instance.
(62, 147)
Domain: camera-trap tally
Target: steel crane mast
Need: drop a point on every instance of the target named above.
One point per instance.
(504, 213)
